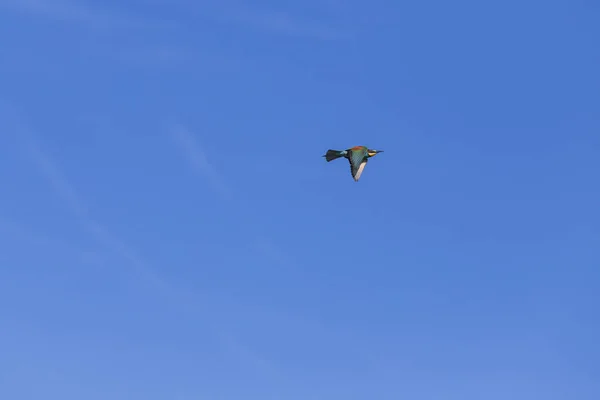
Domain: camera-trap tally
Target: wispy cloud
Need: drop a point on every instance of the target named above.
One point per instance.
(185, 299)
(78, 12)
(275, 21)
(282, 23)
(72, 199)
(228, 12)
(22, 233)
(197, 159)
(149, 43)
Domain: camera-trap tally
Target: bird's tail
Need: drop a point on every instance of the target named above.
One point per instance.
(333, 154)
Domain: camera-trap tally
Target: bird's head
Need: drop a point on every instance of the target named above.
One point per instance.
(373, 152)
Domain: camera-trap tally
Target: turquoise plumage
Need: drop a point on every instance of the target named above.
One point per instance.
(357, 157)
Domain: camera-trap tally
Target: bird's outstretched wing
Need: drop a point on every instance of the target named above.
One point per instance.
(357, 164)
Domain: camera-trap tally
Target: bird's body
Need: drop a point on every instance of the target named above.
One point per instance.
(357, 156)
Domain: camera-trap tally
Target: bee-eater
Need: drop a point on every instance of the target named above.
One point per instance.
(357, 156)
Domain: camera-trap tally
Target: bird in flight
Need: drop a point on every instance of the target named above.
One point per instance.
(357, 156)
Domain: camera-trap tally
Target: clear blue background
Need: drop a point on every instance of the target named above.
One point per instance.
(169, 230)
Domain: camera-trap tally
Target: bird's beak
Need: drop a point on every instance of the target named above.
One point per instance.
(379, 151)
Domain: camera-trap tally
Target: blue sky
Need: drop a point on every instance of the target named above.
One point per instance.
(169, 229)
